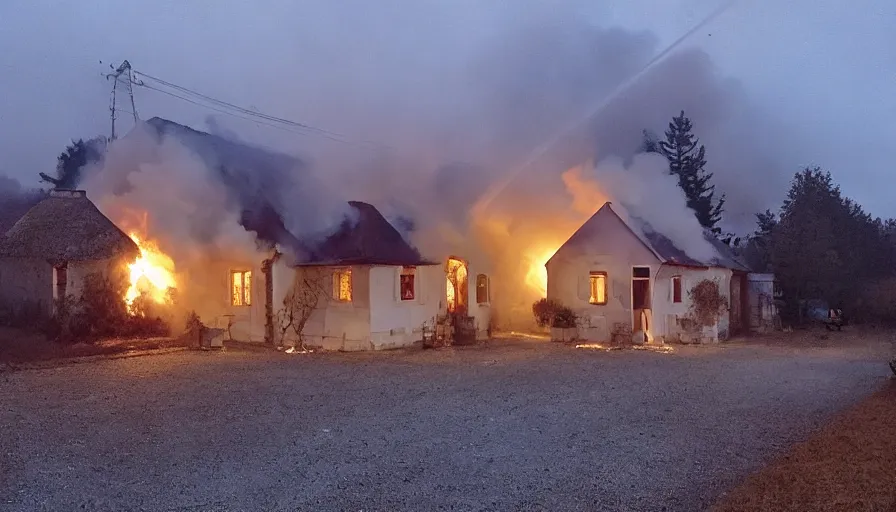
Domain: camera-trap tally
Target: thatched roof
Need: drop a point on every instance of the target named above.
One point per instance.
(66, 226)
(365, 239)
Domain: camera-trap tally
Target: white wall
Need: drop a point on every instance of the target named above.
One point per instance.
(395, 322)
(666, 311)
(481, 313)
(204, 286)
(603, 244)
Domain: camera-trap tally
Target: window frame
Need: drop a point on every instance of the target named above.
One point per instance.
(337, 285)
(403, 273)
(592, 275)
(245, 296)
(488, 289)
(680, 297)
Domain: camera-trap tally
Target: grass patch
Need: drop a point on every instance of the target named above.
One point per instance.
(849, 465)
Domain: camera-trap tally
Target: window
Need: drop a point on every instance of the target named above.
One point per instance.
(676, 289)
(641, 272)
(406, 283)
(342, 285)
(598, 288)
(482, 296)
(241, 288)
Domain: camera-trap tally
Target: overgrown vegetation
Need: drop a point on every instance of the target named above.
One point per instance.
(707, 303)
(550, 313)
(310, 291)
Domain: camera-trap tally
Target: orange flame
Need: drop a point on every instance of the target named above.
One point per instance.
(151, 275)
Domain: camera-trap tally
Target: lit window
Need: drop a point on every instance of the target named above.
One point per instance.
(241, 288)
(676, 289)
(407, 283)
(482, 289)
(342, 285)
(598, 288)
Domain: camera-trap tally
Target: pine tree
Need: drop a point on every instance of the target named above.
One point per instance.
(73, 160)
(649, 142)
(687, 159)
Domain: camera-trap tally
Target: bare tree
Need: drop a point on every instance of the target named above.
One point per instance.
(310, 291)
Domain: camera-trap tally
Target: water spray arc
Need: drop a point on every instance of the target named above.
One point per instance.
(485, 201)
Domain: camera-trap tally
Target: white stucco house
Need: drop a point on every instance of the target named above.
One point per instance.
(622, 278)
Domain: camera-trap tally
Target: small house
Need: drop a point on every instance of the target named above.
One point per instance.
(623, 278)
(49, 251)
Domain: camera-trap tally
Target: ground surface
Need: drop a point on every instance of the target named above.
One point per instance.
(530, 426)
(848, 465)
(20, 348)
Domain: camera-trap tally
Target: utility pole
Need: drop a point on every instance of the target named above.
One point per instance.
(123, 70)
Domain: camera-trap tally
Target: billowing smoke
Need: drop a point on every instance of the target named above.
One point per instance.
(458, 109)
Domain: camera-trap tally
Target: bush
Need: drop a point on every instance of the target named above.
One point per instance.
(707, 303)
(549, 313)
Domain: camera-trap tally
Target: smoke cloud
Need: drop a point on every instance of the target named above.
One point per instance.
(459, 97)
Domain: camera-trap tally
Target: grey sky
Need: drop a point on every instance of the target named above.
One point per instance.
(824, 70)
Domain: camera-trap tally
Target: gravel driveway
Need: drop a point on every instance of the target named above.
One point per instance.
(526, 426)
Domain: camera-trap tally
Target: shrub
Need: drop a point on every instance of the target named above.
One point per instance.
(707, 303)
(549, 313)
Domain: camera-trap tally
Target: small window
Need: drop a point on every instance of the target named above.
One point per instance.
(676, 289)
(342, 285)
(482, 296)
(406, 282)
(241, 288)
(641, 272)
(598, 288)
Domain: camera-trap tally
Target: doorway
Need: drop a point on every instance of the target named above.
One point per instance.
(641, 302)
(457, 286)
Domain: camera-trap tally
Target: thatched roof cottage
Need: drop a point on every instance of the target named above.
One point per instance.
(47, 253)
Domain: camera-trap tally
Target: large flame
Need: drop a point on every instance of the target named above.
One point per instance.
(151, 275)
(536, 273)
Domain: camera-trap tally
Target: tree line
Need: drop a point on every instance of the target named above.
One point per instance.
(819, 244)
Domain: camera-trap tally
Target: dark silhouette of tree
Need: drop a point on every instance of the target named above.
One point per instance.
(71, 162)
(687, 159)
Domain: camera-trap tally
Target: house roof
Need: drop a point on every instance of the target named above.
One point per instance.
(66, 226)
(665, 249)
(254, 176)
(365, 239)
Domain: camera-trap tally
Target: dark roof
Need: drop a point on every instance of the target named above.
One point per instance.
(365, 239)
(255, 177)
(66, 226)
(665, 249)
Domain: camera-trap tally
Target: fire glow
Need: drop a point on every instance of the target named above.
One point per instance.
(537, 274)
(151, 275)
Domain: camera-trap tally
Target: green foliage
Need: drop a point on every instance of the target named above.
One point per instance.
(687, 159)
(71, 162)
(707, 303)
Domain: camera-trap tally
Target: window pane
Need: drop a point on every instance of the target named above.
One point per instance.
(676, 289)
(236, 298)
(598, 288)
(344, 278)
(247, 288)
(642, 272)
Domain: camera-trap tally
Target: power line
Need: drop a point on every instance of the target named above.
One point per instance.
(239, 112)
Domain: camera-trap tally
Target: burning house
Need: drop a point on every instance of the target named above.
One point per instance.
(226, 237)
(622, 276)
(50, 250)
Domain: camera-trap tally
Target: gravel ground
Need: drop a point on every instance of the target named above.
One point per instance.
(517, 426)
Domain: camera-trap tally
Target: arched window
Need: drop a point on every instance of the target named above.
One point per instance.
(482, 291)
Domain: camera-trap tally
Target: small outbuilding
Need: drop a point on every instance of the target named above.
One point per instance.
(48, 252)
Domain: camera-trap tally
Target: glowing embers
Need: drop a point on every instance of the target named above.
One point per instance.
(662, 349)
(151, 276)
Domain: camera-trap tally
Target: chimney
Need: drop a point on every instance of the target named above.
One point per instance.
(69, 194)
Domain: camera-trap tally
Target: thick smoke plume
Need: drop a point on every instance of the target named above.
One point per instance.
(456, 110)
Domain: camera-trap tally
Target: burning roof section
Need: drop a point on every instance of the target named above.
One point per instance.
(366, 239)
(665, 250)
(66, 226)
